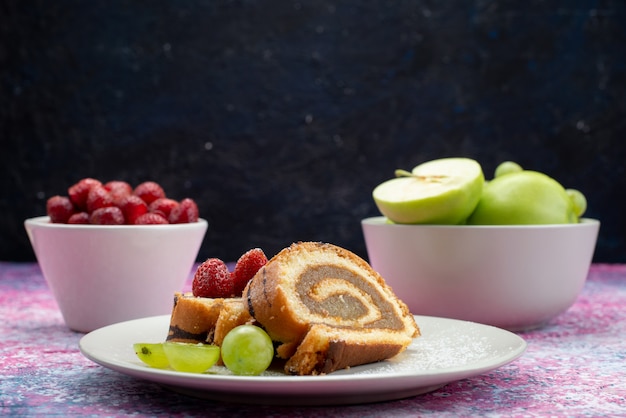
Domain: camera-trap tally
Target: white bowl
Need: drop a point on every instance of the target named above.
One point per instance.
(104, 274)
(515, 277)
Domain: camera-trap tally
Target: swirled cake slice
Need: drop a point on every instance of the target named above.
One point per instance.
(205, 320)
(328, 309)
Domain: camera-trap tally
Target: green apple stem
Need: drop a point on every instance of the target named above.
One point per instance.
(403, 173)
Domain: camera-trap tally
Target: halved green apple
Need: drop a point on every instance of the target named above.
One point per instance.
(442, 191)
(524, 198)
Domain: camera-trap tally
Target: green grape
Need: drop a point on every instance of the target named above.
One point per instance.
(191, 358)
(247, 350)
(507, 167)
(578, 200)
(152, 354)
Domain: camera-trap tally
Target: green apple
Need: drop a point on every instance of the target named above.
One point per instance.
(442, 191)
(524, 198)
(578, 200)
(507, 167)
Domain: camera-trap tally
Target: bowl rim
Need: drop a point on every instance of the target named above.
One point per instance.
(382, 221)
(44, 222)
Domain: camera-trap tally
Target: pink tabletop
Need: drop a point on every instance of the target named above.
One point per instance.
(574, 366)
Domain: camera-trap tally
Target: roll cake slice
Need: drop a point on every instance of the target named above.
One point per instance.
(205, 320)
(328, 309)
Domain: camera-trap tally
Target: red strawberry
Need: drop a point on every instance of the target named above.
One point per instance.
(246, 267)
(185, 212)
(110, 215)
(79, 191)
(118, 189)
(151, 219)
(212, 280)
(132, 207)
(79, 218)
(163, 205)
(59, 209)
(98, 197)
(149, 191)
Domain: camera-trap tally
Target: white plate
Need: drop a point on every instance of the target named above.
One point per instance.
(448, 350)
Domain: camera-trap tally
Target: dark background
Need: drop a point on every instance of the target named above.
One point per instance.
(280, 117)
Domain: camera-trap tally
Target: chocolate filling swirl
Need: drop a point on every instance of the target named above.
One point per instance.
(334, 291)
